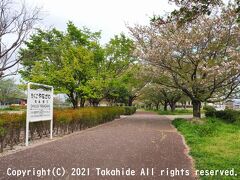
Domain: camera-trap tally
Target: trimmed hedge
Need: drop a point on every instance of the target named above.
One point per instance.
(130, 110)
(12, 125)
(227, 115)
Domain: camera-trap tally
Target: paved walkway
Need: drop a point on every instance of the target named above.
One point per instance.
(144, 140)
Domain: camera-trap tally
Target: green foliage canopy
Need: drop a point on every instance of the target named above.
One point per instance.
(66, 60)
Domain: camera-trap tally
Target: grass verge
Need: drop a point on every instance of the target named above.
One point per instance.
(214, 145)
(176, 112)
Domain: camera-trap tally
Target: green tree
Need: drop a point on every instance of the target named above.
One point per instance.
(9, 90)
(152, 94)
(200, 58)
(159, 94)
(189, 10)
(119, 60)
(66, 60)
(136, 78)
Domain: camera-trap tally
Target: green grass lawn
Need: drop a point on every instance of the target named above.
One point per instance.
(176, 112)
(214, 145)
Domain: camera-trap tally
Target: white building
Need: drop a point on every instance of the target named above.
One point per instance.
(233, 104)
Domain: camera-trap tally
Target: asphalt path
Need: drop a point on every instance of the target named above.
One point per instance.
(141, 146)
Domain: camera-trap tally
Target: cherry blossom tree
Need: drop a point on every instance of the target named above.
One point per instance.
(201, 58)
(158, 94)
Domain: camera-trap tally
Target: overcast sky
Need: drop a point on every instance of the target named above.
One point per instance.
(110, 16)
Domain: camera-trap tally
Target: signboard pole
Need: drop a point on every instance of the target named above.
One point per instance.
(51, 122)
(27, 118)
(51, 128)
(27, 127)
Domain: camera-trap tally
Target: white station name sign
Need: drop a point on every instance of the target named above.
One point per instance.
(39, 104)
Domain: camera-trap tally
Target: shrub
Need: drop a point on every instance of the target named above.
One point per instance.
(10, 129)
(2, 133)
(228, 115)
(12, 125)
(209, 111)
(129, 110)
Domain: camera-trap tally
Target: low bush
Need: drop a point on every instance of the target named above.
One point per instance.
(130, 110)
(10, 129)
(228, 115)
(12, 125)
(209, 111)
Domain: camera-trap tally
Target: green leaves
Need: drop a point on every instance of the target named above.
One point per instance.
(190, 10)
(76, 64)
(9, 90)
(119, 54)
(65, 60)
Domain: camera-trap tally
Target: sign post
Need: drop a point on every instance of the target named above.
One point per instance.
(39, 105)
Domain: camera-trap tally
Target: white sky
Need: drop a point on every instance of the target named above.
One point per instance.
(110, 16)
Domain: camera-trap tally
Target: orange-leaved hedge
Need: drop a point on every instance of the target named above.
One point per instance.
(12, 125)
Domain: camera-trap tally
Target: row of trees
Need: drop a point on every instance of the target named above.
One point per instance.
(156, 95)
(73, 62)
(200, 58)
(77, 65)
(193, 53)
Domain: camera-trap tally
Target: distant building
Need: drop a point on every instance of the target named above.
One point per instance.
(233, 104)
(220, 106)
(186, 104)
(228, 104)
(14, 101)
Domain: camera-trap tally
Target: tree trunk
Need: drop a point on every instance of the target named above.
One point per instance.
(130, 101)
(157, 106)
(2, 144)
(173, 106)
(196, 108)
(74, 103)
(82, 102)
(165, 106)
(74, 99)
(183, 105)
(96, 103)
